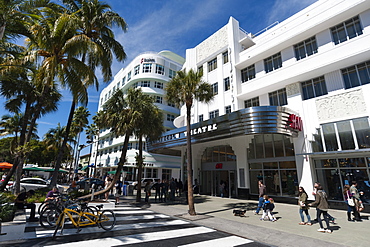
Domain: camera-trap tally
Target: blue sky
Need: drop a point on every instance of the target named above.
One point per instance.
(175, 25)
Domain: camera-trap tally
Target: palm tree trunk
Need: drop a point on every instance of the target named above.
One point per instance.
(64, 145)
(189, 164)
(140, 169)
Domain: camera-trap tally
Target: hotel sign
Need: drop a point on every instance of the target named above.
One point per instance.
(147, 60)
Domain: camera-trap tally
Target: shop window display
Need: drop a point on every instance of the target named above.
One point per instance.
(333, 174)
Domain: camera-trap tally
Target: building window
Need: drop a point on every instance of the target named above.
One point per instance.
(305, 48)
(200, 118)
(129, 76)
(347, 30)
(343, 135)
(170, 117)
(145, 83)
(137, 70)
(279, 170)
(123, 81)
(147, 67)
(118, 85)
(357, 75)
(336, 172)
(227, 83)
(129, 146)
(135, 85)
(218, 154)
(200, 69)
(228, 109)
(158, 84)
(272, 63)
(212, 65)
(278, 98)
(248, 73)
(171, 104)
(251, 102)
(213, 114)
(314, 88)
(171, 73)
(167, 174)
(225, 57)
(159, 69)
(214, 87)
(158, 99)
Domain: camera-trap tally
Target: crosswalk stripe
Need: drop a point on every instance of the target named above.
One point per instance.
(221, 242)
(138, 238)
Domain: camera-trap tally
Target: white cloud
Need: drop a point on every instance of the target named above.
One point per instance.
(166, 27)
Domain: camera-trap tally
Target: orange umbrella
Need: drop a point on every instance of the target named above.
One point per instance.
(5, 165)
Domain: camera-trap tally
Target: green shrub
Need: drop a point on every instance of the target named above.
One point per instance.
(6, 206)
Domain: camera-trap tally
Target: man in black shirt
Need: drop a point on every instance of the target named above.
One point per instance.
(20, 203)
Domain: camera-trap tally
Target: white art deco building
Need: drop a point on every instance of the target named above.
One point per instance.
(291, 107)
(150, 71)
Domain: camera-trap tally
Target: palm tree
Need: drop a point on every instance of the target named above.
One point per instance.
(96, 18)
(183, 89)
(79, 122)
(124, 114)
(150, 126)
(53, 140)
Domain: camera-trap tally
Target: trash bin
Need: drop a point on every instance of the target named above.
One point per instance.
(130, 190)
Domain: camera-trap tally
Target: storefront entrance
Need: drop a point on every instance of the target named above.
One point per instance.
(218, 183)
(218, 174)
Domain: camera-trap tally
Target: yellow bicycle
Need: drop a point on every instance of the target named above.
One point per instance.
(105, 219)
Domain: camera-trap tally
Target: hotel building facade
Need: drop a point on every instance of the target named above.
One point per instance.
(291, 105)
(149, 71)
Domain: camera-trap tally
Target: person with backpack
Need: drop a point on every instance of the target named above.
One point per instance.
(322, 207)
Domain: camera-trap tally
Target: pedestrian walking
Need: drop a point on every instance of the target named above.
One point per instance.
(118, 193)
(303, 206)
(173, 187)
(357, 199)
(322, 207)
(268, 206)
(351, 204)
(107, 184)
(157, 187)
(164, 190)
(261, 193)
(147, 190)
(331, 218)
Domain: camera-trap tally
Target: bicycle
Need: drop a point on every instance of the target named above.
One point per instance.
(53, 209)
(105, 219)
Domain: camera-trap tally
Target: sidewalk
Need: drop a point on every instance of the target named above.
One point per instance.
(216, 212)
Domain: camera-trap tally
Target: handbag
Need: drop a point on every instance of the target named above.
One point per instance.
(350, 201)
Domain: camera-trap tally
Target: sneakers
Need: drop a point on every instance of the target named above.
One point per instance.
(321, 230)
(328, 231)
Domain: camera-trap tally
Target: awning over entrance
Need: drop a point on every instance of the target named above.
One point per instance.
(248, 121)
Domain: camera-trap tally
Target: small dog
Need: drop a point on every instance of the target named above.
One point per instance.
(240, 213)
